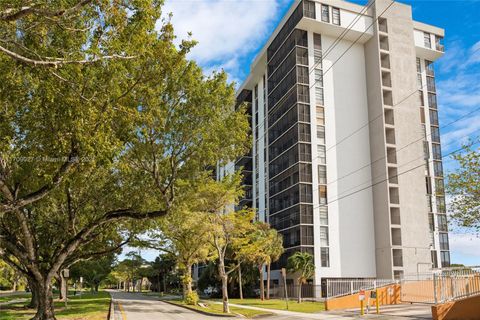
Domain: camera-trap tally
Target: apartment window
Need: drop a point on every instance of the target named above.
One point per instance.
(322, 194)
(397, 258)
(321, 134)
(320, 116)
(434, 259)
(445, 258)
(426, 152)
(302, 74)
(317, 41)
(430, 84)
(336, 16)
(429, 203)
(324, 236)
(305, 172)
(426, 40)
(429, 68)
(441, 208)
(419, 81)
(420, 98)
(436, 151)
(325, 259)
(325, 13)
(322, 174)
(321, 154)
(303, 95)
(317, 50)
(318, 77)
(428, 185)
(431, 223)
(303, 112)
(304, 132)
(443, 237)
(432, 100)
(419, 66)
(305, 152)
(306, 193)
(437, 168)
(309, 9)
(439, 187)
(438, 43)
(435, 134)
(434, 117)
(323, 215)
(319, 95)
(442, 222)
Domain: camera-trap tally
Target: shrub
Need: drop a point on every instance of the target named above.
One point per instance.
(191, 298)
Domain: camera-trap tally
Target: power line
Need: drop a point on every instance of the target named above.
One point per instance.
(343, 34)
(356, 40)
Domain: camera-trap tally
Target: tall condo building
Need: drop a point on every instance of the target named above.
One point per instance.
(345, 160)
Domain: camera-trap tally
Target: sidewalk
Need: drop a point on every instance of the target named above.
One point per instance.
(302, 315)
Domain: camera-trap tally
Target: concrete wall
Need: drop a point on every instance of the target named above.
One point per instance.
(465, 309)
(386, 296)
(408, 136)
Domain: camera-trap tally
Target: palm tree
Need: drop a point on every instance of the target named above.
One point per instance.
(275, 250)
(301, 263)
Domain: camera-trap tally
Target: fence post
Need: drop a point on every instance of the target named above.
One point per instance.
(328, 288)
(351, 286)
(435, 288)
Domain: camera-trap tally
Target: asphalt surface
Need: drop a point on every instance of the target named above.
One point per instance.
(136, 306)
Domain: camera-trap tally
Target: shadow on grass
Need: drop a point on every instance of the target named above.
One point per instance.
(85, 307)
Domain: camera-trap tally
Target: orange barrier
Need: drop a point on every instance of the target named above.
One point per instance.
(465, 309)
(352, 301)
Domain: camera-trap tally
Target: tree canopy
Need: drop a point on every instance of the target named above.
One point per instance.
(464, 187)
(102, 119)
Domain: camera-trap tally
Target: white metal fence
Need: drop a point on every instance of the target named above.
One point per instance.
(435, 286)
(343, 287)
(441, 285)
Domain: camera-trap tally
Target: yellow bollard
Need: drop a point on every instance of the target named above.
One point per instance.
(362, 312)
(377, 301)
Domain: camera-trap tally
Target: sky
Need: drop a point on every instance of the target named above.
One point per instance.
(231, 32)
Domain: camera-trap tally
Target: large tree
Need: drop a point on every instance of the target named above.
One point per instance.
(464, 187)
(184, 234)
(102, 119)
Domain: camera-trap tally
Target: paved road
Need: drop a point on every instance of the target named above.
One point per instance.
(134, 306)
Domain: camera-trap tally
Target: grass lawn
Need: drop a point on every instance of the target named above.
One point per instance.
(14, 297)
(277, 304)
(217, 309)
(86, 307)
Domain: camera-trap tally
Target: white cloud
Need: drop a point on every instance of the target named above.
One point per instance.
(459, 94)
(465, 244)
(227, 30)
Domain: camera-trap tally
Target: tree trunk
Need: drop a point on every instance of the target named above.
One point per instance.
(62, 286)
(268, 281)
(224, 277)
(299, 291)
(240, 281)
(45, 302)
(188, 279)
(262, 285)
(34, 300)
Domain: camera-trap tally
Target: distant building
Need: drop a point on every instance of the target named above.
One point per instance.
(345, 159)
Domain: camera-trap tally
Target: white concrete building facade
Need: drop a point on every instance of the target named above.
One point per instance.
(345, 159)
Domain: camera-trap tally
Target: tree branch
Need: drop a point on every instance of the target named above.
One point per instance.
(13, 15)
(59, 62)
(43, 191)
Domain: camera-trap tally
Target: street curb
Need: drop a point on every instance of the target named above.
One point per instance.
(111, 310)
(201, 311)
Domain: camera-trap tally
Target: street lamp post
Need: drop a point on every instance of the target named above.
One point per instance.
(66, 275)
